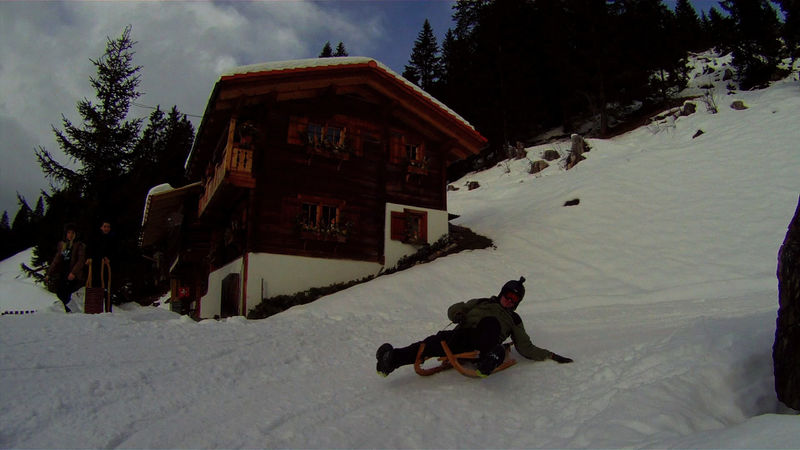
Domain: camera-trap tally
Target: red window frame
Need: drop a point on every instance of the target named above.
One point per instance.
(409, 226)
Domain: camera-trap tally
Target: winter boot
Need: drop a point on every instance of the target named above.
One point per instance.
(490, 360)
(385, 360)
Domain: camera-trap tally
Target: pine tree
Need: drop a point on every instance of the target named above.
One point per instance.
(38, 213)
(5, 237)
(118, 163)
(103, 144)
(5, 225)
(424, 66)
(340, 50)
(791, 26)
(327, 51)
(756, 49)
(22, 234)
(721, 30)
(37, 219)
(162, 150)
(689, 34)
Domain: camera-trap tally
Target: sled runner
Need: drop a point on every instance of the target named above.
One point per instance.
(451, 360)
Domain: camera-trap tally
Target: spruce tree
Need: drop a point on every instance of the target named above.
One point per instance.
(5, 225)
(689, 34)
(38, 213)
(327, 50)
(791, 26)
(756, 49)
(721, 30)
(424, 66)
(102, 144)
(117, 164)
(21, 227)
(5, 237)
(340, 50)
(162, 149)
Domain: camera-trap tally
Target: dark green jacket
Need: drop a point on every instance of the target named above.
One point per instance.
(510, 324)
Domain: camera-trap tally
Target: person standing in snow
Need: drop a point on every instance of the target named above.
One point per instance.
(102, 249)
(482, 324)
(67, 265)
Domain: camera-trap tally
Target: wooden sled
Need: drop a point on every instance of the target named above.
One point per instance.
(95, 300)
(451, 360)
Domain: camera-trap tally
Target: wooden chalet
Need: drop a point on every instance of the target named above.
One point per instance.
(309, 172)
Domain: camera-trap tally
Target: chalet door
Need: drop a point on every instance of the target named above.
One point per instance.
(230, 296)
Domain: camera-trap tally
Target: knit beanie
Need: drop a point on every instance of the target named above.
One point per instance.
(514, 286)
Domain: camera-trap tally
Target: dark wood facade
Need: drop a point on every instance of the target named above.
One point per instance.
(301, 158)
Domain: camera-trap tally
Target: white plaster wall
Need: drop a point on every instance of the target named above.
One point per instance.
(211, 304)
(394, 250)
(272, 274)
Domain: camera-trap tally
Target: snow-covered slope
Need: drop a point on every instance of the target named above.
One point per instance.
(660, 284)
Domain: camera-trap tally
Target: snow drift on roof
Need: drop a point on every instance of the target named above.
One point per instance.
(309, 63)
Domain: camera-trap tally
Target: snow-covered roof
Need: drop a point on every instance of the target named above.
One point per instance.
(312, 63)
(161, 205)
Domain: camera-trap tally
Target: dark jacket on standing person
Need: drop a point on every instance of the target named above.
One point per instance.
(103, 245)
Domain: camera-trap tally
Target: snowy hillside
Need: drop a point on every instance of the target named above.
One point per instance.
(660, 284)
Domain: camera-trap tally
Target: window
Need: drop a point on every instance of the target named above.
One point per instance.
(308, 216)
(316, 217)
(314, 133)
(410, 226)
(341, 137)
(333, 136)
(329, 217)
(326, 136)
(413, 152)
(320, 218)
(410, 152)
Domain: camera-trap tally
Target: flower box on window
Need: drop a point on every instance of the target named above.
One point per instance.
(320, 219)
(418, 166)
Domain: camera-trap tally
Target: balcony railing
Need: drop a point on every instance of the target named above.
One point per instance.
(235, 169)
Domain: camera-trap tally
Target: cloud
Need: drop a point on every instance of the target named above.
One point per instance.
(15, 170)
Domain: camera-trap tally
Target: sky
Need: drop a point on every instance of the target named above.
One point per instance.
(660, 284)
(45, 48)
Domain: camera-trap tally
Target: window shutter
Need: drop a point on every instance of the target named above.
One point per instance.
(297, 127)
(396, 148)
(398, 226)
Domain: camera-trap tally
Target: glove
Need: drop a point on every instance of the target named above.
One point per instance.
(459, 317)
(560, 359)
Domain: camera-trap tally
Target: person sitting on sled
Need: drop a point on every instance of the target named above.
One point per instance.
(482, 324)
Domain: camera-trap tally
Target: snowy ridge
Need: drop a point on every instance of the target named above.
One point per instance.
(660, 284)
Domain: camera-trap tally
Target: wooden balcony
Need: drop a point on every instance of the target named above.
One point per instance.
(232, 173)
